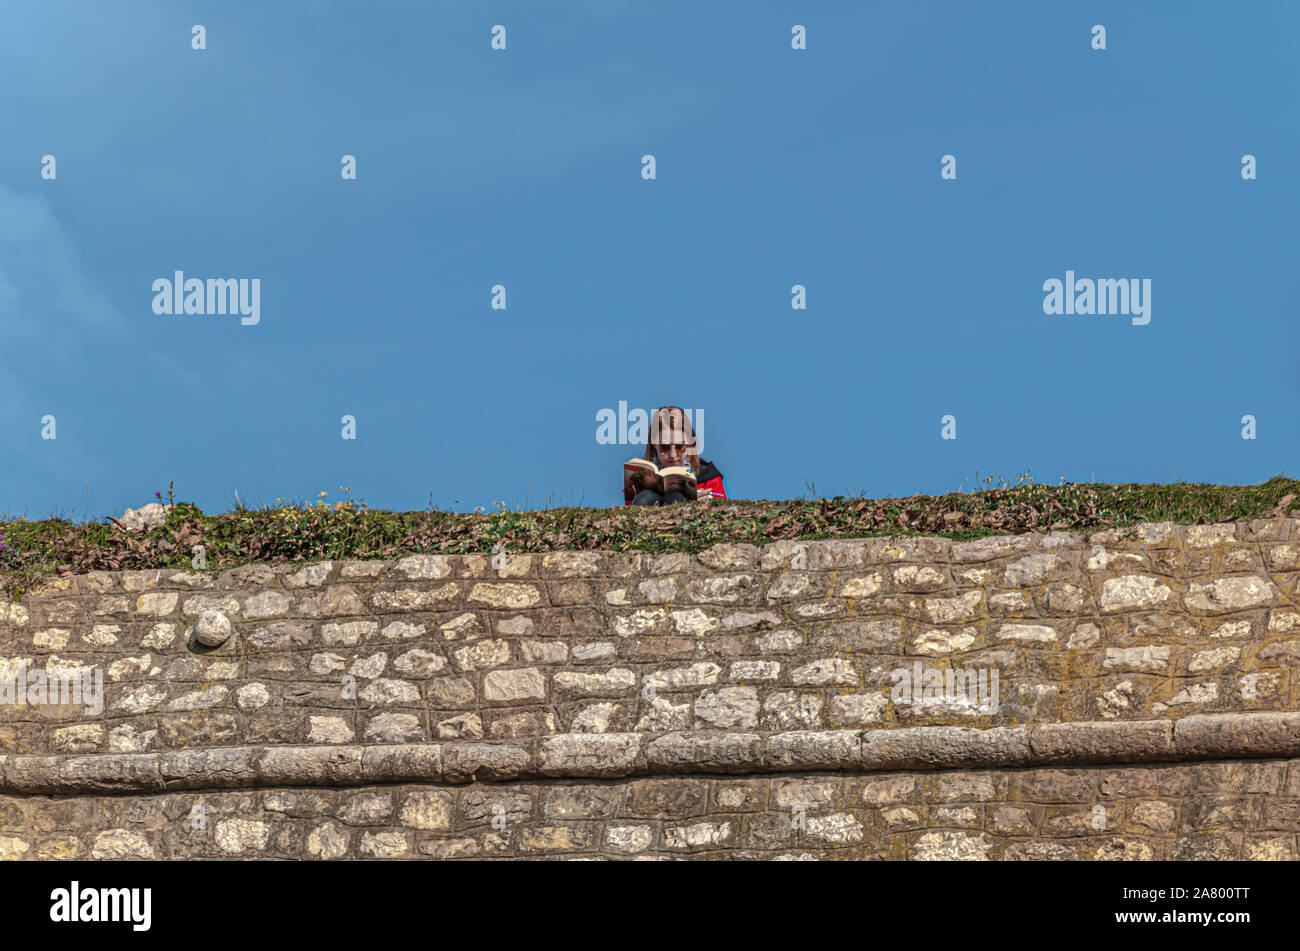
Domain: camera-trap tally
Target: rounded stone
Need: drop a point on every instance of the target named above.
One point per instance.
(213, 629)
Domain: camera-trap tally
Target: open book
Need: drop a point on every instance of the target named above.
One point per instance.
(641, 474)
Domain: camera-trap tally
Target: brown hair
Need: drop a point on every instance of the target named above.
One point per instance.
(667, 420)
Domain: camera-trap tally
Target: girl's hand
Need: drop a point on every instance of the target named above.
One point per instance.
(704, 494)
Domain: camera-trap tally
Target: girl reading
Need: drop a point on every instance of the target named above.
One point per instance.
(672, 444)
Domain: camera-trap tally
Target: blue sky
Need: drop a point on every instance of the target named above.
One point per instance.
(522, 167)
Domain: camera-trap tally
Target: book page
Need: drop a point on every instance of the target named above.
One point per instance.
(641, 474)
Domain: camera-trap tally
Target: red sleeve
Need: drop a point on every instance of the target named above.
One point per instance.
(716, 485)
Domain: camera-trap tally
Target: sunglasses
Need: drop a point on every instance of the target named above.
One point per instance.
(680, 447)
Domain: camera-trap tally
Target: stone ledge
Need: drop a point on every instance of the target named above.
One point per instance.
(497, 579)
(1198, 737)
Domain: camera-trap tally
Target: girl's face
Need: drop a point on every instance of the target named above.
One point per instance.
(672, 450)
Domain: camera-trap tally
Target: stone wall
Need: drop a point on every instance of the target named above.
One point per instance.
(1207, 811)
(1130, 694)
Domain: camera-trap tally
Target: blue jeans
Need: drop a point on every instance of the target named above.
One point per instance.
(651, 497)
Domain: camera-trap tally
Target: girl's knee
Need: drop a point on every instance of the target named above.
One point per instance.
(649, 497)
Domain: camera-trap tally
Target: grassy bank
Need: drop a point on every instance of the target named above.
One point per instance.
(349, 529)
